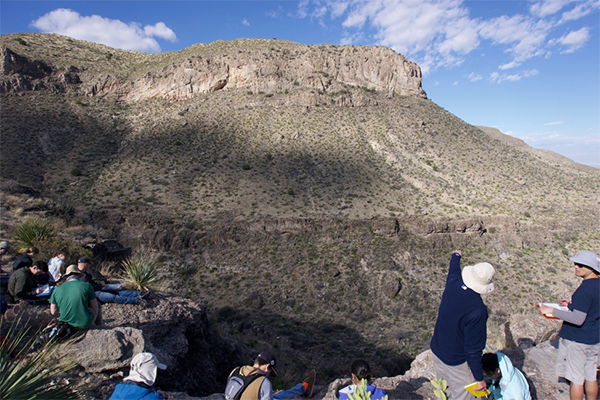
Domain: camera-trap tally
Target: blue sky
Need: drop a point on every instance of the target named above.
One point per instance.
(529, 68)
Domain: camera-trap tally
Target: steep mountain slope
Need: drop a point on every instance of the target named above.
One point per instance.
(309, 195)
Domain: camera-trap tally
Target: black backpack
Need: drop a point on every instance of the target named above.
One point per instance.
(237, 383)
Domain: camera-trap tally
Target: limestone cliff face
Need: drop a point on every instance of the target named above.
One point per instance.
(268, 66)
(323, 68)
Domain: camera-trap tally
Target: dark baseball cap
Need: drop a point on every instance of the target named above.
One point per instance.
(83, 260)
(270, 359)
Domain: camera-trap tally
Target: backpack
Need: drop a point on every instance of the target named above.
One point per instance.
(237, 383)
(54, 330)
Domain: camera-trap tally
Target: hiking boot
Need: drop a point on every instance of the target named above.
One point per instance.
(142, 302)
(310, 383)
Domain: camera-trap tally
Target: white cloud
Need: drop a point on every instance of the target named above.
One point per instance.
(440, 33)
(245, 22)
(496, 77)
(110, 32)
(160, 30)
(554, 123)
(548, 7)
(338, 9)
(523, 36)
(473, 77)
(582, 9)
(574, 40)
(584, 148)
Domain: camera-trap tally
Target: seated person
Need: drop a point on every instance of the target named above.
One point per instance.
(360, 370)
(25, 259)
(102, 289)
(508, 383)
(139, 384)
(74, 301)
(5, 251)
(261, 387)
(56, 265)
(22, 284)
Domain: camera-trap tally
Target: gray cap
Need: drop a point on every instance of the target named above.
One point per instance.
(587, 258)
(4, 245)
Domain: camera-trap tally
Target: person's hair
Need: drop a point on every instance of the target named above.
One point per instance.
(361, 369)
(64, 252)
(41, 265)
(260, 361)
(33, 250)
(489, 363)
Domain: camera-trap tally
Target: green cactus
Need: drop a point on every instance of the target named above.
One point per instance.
(440, 386)
(360, 392)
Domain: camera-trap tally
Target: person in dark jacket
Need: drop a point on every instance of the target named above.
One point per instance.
(22, 284)
(25, 259)
(460, 330)
(139, 384)
(579, 343)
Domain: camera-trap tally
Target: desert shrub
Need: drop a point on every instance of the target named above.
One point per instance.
(51, 246)
(76, 172)
(31, 232)
(140, 272)
(29, 374)
(108, 269)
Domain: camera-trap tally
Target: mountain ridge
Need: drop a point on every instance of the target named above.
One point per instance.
(301, 217)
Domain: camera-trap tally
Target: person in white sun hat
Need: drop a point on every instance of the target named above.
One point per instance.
(460, 330)
(579, 343)
(139, 384)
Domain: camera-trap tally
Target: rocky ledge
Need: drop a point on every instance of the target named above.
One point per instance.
(178, 331)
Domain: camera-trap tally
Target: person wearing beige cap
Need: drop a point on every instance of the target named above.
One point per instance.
(579, 343)
(139, 384)
(74, 301)
(460, 330)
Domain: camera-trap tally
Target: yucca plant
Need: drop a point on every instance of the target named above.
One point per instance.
(140, 272)
(31, 232)
(360, 392)
(29, 374)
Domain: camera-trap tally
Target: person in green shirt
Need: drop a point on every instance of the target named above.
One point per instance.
(74, 300)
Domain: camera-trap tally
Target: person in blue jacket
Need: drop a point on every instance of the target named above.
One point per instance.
(139, 384)
(360, 370)
(461, 327)
(508, 383)
(579, 345)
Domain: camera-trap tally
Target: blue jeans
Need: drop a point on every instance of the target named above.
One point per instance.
(293, 393)
(121, 297)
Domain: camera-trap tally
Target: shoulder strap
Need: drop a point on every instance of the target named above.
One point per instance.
(244, 381)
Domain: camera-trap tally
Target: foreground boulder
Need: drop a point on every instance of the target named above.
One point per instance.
(177, 330)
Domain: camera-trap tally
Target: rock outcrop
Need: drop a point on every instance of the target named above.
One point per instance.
(260, 66)
(175, 329)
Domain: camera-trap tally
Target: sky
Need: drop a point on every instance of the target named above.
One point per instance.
(530, 68)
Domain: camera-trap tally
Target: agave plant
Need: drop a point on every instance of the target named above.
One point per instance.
(33, 231)
(141, 272)
(29, 374)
